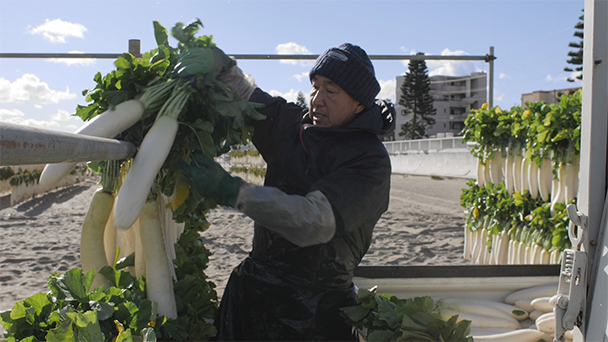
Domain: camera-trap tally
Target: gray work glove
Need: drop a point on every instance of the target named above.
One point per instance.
(239, 82)
(210, 179)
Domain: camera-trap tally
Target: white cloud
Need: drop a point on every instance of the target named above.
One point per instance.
(502, 75)
(302, 76)
(387, 90)
(292, 48)
(290, 96)
(61, 120)
(57, 30)
(10, 112)
(407, 52)
(33, 122)
(72, 61)
(64, 115)
(451, 67)
(29, 88)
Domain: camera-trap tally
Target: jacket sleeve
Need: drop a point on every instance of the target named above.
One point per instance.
(282, 118)
(303, 220)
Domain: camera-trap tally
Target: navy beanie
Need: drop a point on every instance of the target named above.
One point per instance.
(349, 67)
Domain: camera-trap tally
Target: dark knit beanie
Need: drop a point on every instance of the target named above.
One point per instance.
(349, 67)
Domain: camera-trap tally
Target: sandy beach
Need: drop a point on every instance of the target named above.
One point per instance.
(423, 226)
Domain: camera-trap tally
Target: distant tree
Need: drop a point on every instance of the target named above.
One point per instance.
(576, 56)
(301, 100)
(390, 134)
(417, 100)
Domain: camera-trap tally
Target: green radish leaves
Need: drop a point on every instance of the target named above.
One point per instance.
(385, 317)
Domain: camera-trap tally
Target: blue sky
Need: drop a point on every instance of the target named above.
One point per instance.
(530, 39)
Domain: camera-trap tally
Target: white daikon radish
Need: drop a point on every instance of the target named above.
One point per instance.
(502, 253)
(480, 321)
(106, 125)
(480, 174)
(543, 290)
(92, 253)
(495, 168)
(474, 308)
(525, 166)
(521, 253)
(545, 179)
(152, 153)
(520, 335)
(546, 323)
(524, 304)
(517, 160)
(535, 314)
(159, 282)
(560, 197)
(109, 241)
(570, 187)
(509, 172)
(533, 179)
(486, 172)
(508, 309)
(140, 259)
(544, 256)
(488, 331)
(542, 304)
(467, 243)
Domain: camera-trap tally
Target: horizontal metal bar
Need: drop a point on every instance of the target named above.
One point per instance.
(485, 58)
(60, 55)
(23, 145)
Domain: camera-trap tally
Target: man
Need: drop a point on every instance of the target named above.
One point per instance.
(326, 186)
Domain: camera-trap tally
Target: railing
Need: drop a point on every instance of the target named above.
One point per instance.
(396, 147)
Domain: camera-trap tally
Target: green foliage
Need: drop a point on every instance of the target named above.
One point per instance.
(70, 311)
(25, 177)
(543, 130)
(256, 171)
(417, 100)
(385, 317)
(242, 153)
(6, 172)
(524, 218)
(576, 56)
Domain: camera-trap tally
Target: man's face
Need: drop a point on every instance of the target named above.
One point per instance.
(330, 105)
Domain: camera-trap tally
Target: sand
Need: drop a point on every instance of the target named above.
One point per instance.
(423, 226)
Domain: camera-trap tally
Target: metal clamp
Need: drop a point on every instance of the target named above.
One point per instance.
(570, 298)
(576, 235)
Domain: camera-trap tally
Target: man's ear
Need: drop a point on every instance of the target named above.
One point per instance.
(359, 108)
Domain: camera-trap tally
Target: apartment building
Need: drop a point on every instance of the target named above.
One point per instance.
(453, 98)
(549, 96)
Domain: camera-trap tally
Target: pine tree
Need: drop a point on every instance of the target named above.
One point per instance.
(301, 100)
(417, 100)
(576, 56)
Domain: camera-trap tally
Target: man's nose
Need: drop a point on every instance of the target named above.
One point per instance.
(317, 98)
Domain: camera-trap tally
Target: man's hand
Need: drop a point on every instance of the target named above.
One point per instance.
(209, 179)
(205, 63)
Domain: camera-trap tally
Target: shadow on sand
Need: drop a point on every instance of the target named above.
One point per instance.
(38, 205)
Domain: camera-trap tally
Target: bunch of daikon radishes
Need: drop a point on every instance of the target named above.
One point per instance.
(512, 229)
(532, 154)
(144, 203)
(526, 315)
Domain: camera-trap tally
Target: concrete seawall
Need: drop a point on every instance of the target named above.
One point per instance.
(457, 162)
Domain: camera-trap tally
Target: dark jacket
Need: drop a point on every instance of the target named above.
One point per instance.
(296, 292)
(349, 165)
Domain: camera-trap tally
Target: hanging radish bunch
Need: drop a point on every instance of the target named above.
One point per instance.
(144, 217)
(539, 149)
